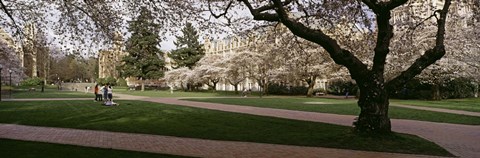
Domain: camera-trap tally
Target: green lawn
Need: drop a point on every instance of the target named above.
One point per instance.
(154, 118)
(49, 93)
(345, 107)
(166, 93)
(470, 104)
(26, 149)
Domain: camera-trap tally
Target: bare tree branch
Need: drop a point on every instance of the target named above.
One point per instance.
(430, 56)
(339, 55)
(222, 14)
(5, 9)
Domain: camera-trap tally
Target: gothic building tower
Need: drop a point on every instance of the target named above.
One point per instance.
(5, 37)
(109, 59)
(29, 49)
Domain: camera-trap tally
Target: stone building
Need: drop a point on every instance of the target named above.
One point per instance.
(109, 59)
(418, 11)
(5, 37)
(29, 60)
(226, 47)
(234, 44)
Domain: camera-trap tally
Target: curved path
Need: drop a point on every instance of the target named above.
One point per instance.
(179, 146)
(460, 140)
(460, 112)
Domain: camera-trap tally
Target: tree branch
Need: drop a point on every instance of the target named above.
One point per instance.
(222, 14)
(377, 7)
(4, 8)
(7, 12)
(339, 55)
(430, 56)
(392, 4)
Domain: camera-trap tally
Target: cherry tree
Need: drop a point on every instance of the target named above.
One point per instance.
(236, 67)
(178, 77)
(10, 62)
(314, 16)
(410, 42)
(304, 60)
(209, 70)
(264, 65)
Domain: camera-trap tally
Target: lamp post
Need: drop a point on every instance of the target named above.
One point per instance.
(11, 87)
(1, 66)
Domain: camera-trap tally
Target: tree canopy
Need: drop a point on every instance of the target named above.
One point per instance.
(189, 50)
(144, 59)
(314, 20)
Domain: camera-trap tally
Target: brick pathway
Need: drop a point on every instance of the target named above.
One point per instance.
(461, 140)
(179, 146)
(469, 113)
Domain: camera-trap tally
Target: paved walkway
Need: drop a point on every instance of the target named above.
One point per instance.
(469, 113)
(178, 146)
(460, 140)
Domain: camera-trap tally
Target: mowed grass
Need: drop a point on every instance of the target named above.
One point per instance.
(50, 93)
(161, 119)
(178, 93)
(26, 149)
(469, 104)
(344, 107)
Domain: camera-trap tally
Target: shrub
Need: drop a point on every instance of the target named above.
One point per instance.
(278, 89)
(34, 81)
(109, 80)
(458, 88)
(339, 87)
(121, 82)
(415, 89)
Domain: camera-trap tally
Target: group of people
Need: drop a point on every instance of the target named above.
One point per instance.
(107, 92)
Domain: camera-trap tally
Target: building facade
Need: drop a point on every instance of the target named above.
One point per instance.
(109, 59)
(235, 44)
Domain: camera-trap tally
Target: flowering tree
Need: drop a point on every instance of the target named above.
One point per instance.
(374, 88)
(209, 70)
(236, 69)
(303, 60)
(178, 77)
(410, 42)
(263, 65)
(310, 20)
(10, 62)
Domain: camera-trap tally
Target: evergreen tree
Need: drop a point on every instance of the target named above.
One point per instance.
(144, 59)
(189, 51)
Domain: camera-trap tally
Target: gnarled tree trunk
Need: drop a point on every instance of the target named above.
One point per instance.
(235, 86)
(373, 103)
(436, 92)
(311, 84)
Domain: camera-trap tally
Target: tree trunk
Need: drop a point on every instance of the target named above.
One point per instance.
(265, 88)
(143, 84)
(215, 86)
(310, 89)
(181, 85)
(373, 103)
(45, 75)
(311, 84)
(436, 92)
(235, 86)
(475, 92)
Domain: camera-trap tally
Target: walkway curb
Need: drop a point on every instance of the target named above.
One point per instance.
(180, 146)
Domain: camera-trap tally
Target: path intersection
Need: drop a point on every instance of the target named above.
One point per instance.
(460, 140)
